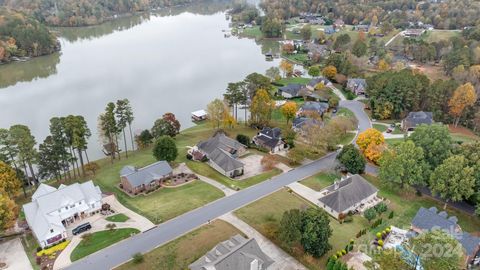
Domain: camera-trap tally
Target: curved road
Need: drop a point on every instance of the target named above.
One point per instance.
(121, 252)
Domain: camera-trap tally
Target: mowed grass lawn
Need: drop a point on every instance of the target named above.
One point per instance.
(265, 216)
(181, 252)
(320, 181)
(117, 218)
(380, 127)
(100, 240)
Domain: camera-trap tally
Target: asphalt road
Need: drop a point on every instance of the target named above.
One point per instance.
(121, 252)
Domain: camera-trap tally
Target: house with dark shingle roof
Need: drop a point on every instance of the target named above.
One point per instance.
(415, 119)
(357, 85)
(347, 195)
(430, 219)
(271, 139)
(134, 180)
(312, 108)
(222, 153)
(237, 253)
(301, 123)
(291, 90)
(314, 82)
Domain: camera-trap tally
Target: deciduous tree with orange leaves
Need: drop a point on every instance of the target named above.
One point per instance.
(289, 110)
(371, 143)
(329, 72)
(463, 97)
(286, 67)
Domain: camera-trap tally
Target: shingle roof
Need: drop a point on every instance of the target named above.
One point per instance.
(269, 136)
(314, 82)
(416, 118)
(319, 107)
(146, 174)
(300, 122)
(349, 192)
(469, 242)
(293, 89)
(223, 159)
(219, 149)
(237, 253)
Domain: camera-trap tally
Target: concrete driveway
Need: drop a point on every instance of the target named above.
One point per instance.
(13, 254)
(253, 166)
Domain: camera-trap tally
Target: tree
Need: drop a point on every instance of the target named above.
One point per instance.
(447, 252)
(61, 144)
(251, 84)
(271, 27)
(108, 129)
(404, 164)
(316, 232)
(333, 102)
(462, 98)
(383, 65)
(25, 143)
(286, 67)
(261, 108)
(352, 159)
(453, 180)
(92, 167)
(167, 125)
(371, 143)
(124, 118)
(9, 182)
(329, 72)
(145, 139)
(8, 212)
(306, 32)
(436, 142)
(341, 41)
(50, 164)
(78, 133)
(370, 214)
(233, 96)
(314, 71)
(268, 162)
(359, 48)
(165, 149)
(387, 259)
(215, 111)
(273, 73)
(290, 227)
(243, 139)
(288, 48)
(289, 110)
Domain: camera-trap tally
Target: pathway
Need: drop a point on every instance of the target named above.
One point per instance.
(306, 192)
(283, 261)
(13, 254)
(393, 38)
(226, 190)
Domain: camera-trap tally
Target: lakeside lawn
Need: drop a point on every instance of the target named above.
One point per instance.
(298, 58)
(100, 240)
(117, 218)
(320, 181)
(181, 252)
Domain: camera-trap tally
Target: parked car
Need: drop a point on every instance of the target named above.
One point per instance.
(82, 228)
(390, 130)
(392, 125)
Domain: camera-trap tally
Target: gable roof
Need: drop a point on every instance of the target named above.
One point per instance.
(146, 174)
(223, 159)
(346, 193)
(236, 253)
(220, 150)
(300, 122)
(291, 88)
(418, 118)
(269, 136)
(314, 82)
(357, 82)
(42, 190)
(319, 107)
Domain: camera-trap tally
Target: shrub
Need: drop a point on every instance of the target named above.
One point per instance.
(380, 243)
(339, 254)
(348, 219)
(379, 235)
(51, 250)
(243, 139)
(189, 157)
(137, 258)
(38, 260)
(344, 251)
(39, 249)
(370, 214)
(381, 208)
(390, 216)
(111, 226)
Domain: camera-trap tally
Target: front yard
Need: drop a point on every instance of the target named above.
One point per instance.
(100, 240)
(320, 181)
(181, 252)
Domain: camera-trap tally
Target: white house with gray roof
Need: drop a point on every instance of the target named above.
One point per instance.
(135, 180)
(222, 153)
(237, 253)
(52, 209)
(348, 194)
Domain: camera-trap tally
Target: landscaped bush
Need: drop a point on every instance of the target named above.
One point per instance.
(381, 208)
(348, 219)
(376, 223)
(243, 139)
(390, 216)
(380, 243)
(137, 258)
(51, 250)
(39, 249)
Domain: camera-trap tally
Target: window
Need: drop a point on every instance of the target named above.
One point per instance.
(51, 230)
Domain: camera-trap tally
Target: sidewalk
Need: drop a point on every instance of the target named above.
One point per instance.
(283, 261)
(226, 190)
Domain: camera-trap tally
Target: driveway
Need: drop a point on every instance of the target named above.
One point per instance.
(253, 166)
(121, 252)
(13, 254)
(283, 261)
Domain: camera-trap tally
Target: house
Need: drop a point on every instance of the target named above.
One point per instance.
(290, 91)
(357, 85)
(317, 49)
(52, 209)
(430, 219)
(314, 82)
(312, 108)
(199, 115)
(222, 153)
(362, 28)
(271, 139)
(413, 32)
(416, 118)
(236, 253)
(301, 123)
(339, 23)
(134, 180)
(347, 195)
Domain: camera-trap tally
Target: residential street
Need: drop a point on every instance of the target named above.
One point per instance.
(165, 232)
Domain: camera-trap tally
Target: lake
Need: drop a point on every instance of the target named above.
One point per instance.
(175, 60)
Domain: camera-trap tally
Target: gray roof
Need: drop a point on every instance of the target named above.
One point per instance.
(237, 253)
(269, 136)
(301, 122)
(417, 118)
(428, 219)
(220, 150)
(314, 82)
(145, 175)
(348, 192)
(292, 88)
(431, 219)
(315, 106)
(357, 82)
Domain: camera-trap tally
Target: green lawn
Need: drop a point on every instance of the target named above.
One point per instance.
(298, 58)
(265, 215)
(321, 180)
(253, 32)
(347, 138)
(458, 137)
(345, 112)
(30, 245)
(299, 80)
(100, 240)
(117, 218)
(205, 170)
(394, 141)
(181, 252)
(380, 127)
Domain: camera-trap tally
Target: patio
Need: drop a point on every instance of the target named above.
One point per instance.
(396, 237)
(369, 204)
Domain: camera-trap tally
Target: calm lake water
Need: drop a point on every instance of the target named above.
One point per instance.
(175, 61)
